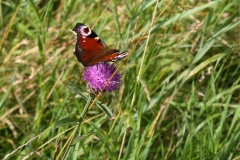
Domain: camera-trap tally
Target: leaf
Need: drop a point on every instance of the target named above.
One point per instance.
(105, 109)
(67, 121)
(5, 97)
(80, 138)
(73, 86)
(78, 89)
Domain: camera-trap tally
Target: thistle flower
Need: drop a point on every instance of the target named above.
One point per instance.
(98, 75)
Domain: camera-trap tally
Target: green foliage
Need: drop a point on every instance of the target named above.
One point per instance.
(179, 98)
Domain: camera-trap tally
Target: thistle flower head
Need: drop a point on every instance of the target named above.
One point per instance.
(98, 75)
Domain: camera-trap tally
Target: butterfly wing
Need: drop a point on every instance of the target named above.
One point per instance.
(88, 44)
(90, 49)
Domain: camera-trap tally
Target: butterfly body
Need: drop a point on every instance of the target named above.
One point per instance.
(90, 49)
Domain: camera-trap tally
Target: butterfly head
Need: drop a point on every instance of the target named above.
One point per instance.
(84, 30)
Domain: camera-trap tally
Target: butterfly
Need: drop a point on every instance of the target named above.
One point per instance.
(90, 49)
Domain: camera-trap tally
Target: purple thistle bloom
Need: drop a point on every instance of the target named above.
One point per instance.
(98, 75)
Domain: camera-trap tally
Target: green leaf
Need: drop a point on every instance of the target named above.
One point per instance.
(105, 109)
(79, 90)
(80, 138)
(67, 121)
(5, 97)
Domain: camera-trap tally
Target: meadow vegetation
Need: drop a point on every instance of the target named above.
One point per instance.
(180, 91)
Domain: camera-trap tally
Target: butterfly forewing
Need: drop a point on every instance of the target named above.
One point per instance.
(90, 49)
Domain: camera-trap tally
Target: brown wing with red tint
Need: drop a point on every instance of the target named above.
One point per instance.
(90, 49)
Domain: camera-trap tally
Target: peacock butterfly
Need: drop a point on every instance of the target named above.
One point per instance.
(90, 49)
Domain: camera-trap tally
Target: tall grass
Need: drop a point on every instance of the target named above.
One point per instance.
(179, 98)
